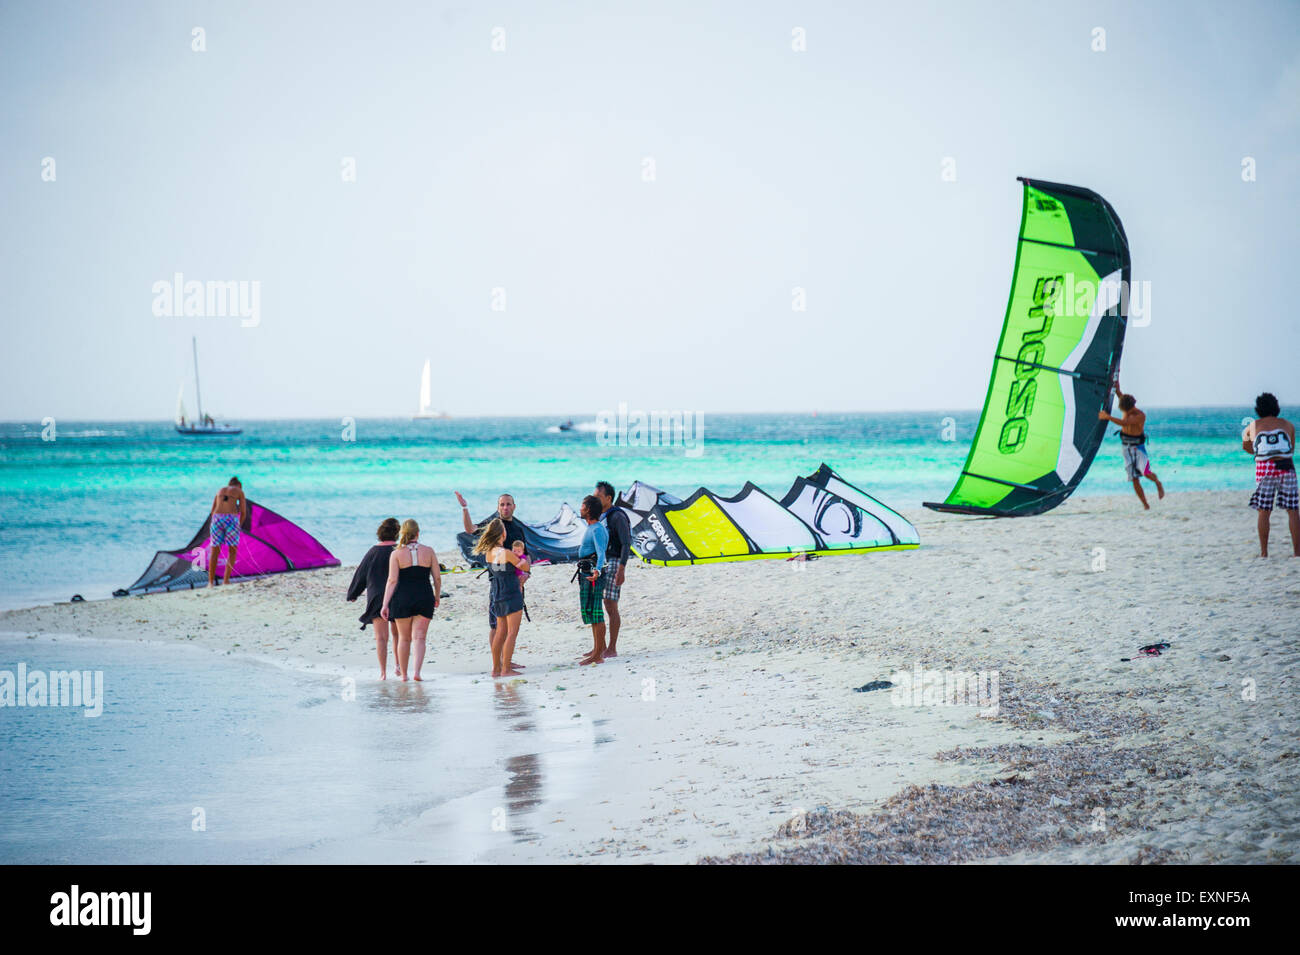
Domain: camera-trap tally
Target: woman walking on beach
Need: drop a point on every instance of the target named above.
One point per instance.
(371, 576)
(505, 597)
(1271, 439)
(409, 600)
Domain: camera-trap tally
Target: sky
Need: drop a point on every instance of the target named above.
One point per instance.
(568, 205)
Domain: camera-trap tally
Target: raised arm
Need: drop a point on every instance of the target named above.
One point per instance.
(1248, 439)
(464, 514)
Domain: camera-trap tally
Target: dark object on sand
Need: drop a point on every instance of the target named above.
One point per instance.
(78, 599)
(1150, 650)
(873, 685)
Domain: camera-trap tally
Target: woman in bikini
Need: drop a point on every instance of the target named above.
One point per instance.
(409, 599)
(505, 596)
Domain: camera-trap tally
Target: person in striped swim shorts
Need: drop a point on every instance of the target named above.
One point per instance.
(229, 511)
(1270, 438)
(1133, 437)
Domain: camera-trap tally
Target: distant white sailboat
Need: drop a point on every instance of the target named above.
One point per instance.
(204, 426)
(426, 396)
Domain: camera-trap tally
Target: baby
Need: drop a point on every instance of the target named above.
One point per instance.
(523, 575)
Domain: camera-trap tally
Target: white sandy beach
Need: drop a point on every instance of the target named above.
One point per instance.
(751, 720)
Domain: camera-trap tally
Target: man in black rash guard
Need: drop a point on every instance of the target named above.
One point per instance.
(620, 548)
(514, 532)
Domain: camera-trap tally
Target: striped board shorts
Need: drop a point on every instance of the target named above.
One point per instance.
(1272, 484)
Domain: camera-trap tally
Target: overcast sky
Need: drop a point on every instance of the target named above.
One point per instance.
(524, 169)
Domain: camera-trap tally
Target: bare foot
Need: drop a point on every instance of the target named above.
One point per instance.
(511, 671)
(417, 678)
(610, 653)
(495, 674)
(383, 675)
(591, 660)
(1160, 490)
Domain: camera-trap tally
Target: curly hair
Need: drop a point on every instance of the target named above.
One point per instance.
(1266, 406)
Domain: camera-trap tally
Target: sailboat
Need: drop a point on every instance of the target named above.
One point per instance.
(426, 396)
(204, 425)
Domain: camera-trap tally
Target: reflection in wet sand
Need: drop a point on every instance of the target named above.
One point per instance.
(523, 790)
(513, 708)
(396, 696)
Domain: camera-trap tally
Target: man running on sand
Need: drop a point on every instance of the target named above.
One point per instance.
(229, 511)
(1132, 432)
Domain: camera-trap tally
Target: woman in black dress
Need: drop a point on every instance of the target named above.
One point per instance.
(371, 575)
(409, 599)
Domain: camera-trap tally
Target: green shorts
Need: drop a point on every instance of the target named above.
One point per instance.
(590, 599)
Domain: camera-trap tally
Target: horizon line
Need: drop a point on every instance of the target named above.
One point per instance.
(567, 416)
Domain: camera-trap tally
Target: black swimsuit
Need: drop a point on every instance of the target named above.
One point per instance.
(414, 594)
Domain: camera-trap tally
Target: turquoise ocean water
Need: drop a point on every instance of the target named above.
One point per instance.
(85, 512)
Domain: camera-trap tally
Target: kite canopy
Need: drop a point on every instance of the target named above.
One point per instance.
(557, 541)
(640, 498)
(1056, 359)
(820, 514)
(268, 544)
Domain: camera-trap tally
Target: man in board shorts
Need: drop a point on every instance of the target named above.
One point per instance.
(592, 566)
(616, 555)
(514, 532)
(1132, 432)
(229, 511)
(1271, 439)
